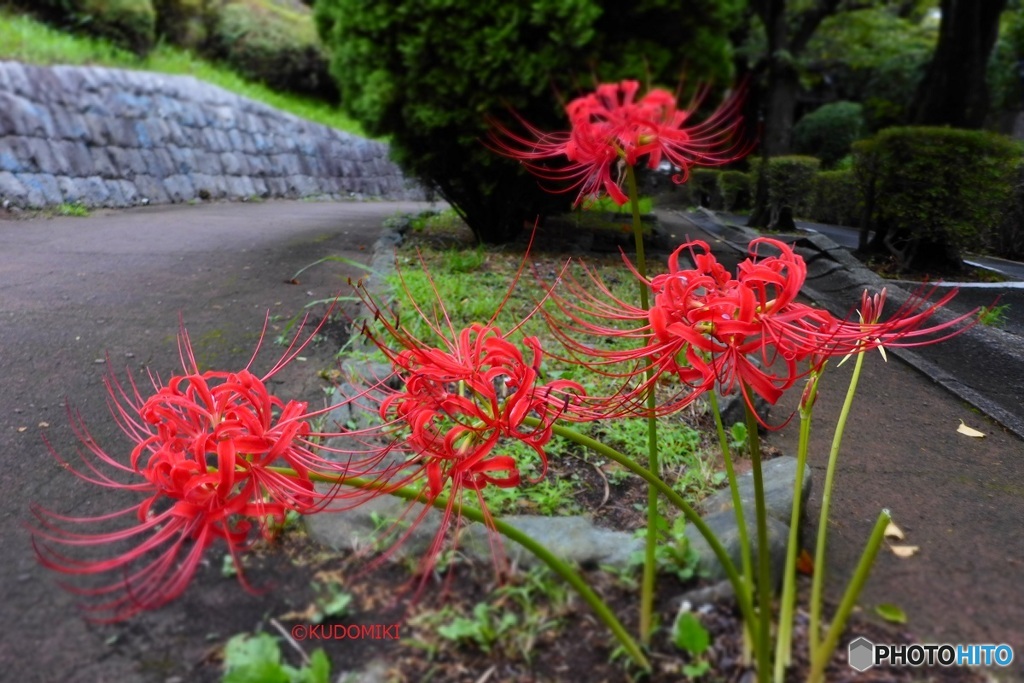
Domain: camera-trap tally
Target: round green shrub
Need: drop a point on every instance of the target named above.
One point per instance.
(836, 199)
(828, 131)
(734, 188)
(432, 75)
(181, 22)
(933, 193)
(272, 43)
(129, 23)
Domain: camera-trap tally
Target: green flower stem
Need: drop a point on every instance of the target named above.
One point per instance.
(557, 565)
(823, 654)
(746, 609)
(650, 549)
(762, 642)
(741, 525)
(818, 582)
(784, 639)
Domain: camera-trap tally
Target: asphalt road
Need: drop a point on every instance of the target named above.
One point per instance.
(74, 291)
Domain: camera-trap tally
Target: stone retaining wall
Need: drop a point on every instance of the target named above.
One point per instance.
(117, 138)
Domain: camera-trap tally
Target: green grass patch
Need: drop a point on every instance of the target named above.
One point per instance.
(26, 40)
(456, 283)
(606, 204)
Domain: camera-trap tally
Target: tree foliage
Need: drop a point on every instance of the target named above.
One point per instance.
(429, 73)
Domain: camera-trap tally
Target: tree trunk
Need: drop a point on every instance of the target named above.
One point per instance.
(953, 91)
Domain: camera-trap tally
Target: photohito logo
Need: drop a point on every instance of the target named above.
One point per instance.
(863, 654)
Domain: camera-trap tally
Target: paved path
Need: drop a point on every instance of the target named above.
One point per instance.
(75, 289)
(960, 499)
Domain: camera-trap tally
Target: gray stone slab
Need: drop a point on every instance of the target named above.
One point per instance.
(115, 197)
(102, 164)
(240, 187)
(13, 155)
(79, 158)
(98, 127)
(231, 164)
(70, 190)
(259, 187)
(128, 191)
(128, 161)
(724, 526)
(208, 162)
(779, 478)
(17, 81)
(69, 125)
(184, 159)
(94, 191)
(45, 185)
(152, 189)
(179, 188)
(46, 157)
(12, 189)
(277, 186)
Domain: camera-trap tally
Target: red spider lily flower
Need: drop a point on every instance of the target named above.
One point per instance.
(611, 127)
(747, 333)
(704, 326)
(207, 445)
(459, 404)
(906, 327)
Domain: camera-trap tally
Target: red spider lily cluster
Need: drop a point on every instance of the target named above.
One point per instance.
(458, 407)
(712, 330)
(217, 456)
(611, 129)
(208, 458)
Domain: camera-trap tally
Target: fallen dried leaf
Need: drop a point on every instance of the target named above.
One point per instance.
(22, 429)
(44, 424)
(969, 431)
(307, 615)
(805, 563)
(893, 531)
(904, 551)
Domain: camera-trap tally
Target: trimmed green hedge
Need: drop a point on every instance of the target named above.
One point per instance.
(837, 199)
(933, 193)
(790, 182)
(735, 190)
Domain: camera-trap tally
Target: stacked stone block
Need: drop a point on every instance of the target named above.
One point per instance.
(110, 137)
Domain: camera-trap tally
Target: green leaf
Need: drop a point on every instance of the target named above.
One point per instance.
(228, 568)
(697, 669)
(254, 659)
(318, 671)
(691, 635)
(891, 613)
